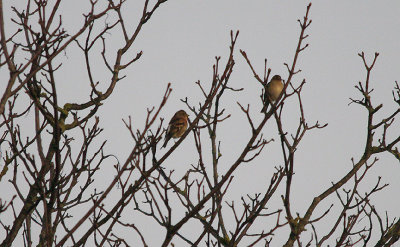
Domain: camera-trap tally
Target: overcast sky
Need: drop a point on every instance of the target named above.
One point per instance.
(179, 45)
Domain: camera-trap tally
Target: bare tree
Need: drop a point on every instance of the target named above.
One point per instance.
(53, 174)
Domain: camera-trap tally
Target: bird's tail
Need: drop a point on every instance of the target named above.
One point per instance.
(166, 141)
(265, 106)
(265, 100)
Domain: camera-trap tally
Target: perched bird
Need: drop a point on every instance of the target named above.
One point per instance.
(273, 90)
(177, 126)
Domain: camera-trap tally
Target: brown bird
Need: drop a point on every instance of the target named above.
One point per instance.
(177, 126)
(273, 90)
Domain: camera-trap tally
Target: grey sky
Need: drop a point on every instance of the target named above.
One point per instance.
(179, 45)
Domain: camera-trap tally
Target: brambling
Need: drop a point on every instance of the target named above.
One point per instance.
(273, 90)
(177, 126)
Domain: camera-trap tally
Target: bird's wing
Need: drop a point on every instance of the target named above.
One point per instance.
(176, 126)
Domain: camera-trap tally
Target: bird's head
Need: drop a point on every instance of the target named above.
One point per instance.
(277, 77)
(181, 113)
